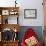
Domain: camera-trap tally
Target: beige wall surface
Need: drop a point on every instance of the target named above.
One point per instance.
(44, 4)
(44, 7)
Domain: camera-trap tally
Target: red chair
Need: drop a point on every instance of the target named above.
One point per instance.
(29, 33)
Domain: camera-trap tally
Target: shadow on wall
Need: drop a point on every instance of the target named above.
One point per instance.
(37, 29)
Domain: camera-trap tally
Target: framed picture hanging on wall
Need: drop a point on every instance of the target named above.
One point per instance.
(30, 13)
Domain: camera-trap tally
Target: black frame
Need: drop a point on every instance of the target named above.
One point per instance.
(30, 17)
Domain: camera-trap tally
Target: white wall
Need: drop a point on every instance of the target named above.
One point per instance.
(32, 4)
(27, 4)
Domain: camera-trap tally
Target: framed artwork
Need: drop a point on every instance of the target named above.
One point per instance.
(13, 12)
(30, 13)
(0, 36)
(5, 12)
(13, 20)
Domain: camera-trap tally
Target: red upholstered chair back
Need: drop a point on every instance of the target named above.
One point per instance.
(29, 33)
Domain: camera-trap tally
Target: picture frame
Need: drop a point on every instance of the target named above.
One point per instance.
(13, 12)
(5, 12)
(0, 36)
(13, 20)
(30, 13)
